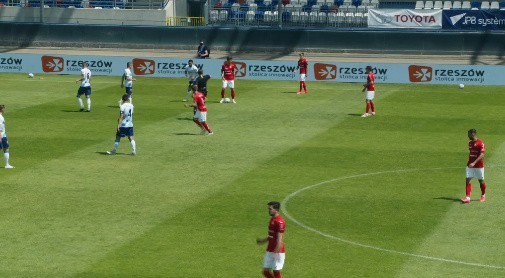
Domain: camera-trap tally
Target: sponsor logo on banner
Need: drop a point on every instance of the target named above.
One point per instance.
(357, 74)
(270, 70)
(394, 18)
(52, 63)
(420, 73)
(143, 66)
(325, 71)
(95, 66)
(173, 68)
(240, 69)
(474, 19)
(441, 74)
(11, 64)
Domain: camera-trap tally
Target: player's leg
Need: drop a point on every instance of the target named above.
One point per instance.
(367, 109)
(223, 88)
(189, 92)
(132, 141)
(370, 96)
(267, 273)
(232, 88)
(79, 100)
(116, 142)
(482, 182)
(88, 98)
(203, 122)
(5, 147)
(303, 84)
(196, 120)
(268, 264)
(468, 185)
(277, 274)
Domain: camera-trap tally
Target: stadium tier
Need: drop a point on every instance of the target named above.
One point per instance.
(332, 13)
(100, 4)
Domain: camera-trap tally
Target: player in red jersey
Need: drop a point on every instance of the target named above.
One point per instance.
(475, 166)
(369, 87)
(274, 257)
(228, 75)
(302, 66)
(200, 117)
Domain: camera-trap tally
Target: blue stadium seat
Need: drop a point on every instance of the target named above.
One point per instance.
(502, 5)
(311, 2)
(227, 6)
(259, 15)
(356, 2)
(231, 2)
(306, 8)
(258, 2)
(325, 8)
(339, 2)
(286, 16)
(476, 5)
(34, 3)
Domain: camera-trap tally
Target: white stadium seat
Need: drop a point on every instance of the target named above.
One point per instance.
(428, 5)
(304, 17)
(214, 15)
(438, 5)
(349, 17)
(466, 5)
(447, 5)
(235, 7)
(253, 7)
(267, 16)
(297, 8)
(495, 5)
(288, 8)
(340, 17)
(456, 5)
(332, 18)
(303, 2)
(320, 2)
(322, 17)
(419, 5)
(250, 16)
(223, 15)
(315, 8)
(313, 17)
(485, 5)
(295, 16)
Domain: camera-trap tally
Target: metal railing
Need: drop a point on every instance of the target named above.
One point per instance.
(185, 21)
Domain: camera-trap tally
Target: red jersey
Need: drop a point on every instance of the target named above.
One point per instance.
(303, 65)
(276, 225)
(199, 99)
(228, 71)
(370, 79)
(476, 148)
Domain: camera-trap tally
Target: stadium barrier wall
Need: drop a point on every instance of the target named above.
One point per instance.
(257, 70)
(253, 39)
(84, 16)
(474, 19)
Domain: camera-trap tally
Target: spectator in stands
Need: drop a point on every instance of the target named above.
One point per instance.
(218, 5)
(334, 8)
(203, 51)
(285, 2)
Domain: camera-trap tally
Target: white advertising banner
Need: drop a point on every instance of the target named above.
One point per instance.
(393, 18)
(256, 70)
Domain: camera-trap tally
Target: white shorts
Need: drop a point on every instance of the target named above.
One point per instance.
(370, 95)
(274, 261)
(302, 76)
(477, 173)
(228, 83)
(201, 116)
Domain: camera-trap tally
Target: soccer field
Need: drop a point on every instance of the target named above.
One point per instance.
(362, 197)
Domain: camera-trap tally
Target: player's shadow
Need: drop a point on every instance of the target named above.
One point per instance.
(184, 119)
(448, 199)
(354, 114)
(105, 153)
(289, 92)
(69, 111)
(185, 133)
(113, 106)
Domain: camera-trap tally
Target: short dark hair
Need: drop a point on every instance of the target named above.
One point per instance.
(229, 58)
(128, 64)
(2, 107)
(472, 130)
(190, 61)
(369, 67)
(126, 97)
(200, 71)
(274, 204)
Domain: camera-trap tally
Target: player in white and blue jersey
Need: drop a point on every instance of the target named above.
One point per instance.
(127, 82)
(85, 88)
(125, 125)
(191, 72)
(4, 143)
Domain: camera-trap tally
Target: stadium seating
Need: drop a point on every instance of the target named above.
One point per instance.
(447, 5)
(485, 5)
(456, 5)
(428, 5)
(495, 5)
(419, 5)
(466, 5)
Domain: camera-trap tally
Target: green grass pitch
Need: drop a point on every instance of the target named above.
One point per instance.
(192, 206)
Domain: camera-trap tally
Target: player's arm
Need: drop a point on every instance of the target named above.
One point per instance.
(280, 242)
(260, 241)
(480, 157)
(119, 120)
(81, 79)
(222, 72)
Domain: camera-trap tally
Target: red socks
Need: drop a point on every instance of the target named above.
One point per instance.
(372, 105)
(277, 274)
(468, 189)
(483, 188)
(268, 274)
(304, 86)
(206, 126)
(233, 93)
(367, 107)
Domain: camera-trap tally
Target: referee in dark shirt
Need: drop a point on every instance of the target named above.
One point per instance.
(201, 81)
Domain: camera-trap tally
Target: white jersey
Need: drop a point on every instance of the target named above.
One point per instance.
(191, 71)
(2, 126)
(127, 112)
(128, 78)
(86, 74)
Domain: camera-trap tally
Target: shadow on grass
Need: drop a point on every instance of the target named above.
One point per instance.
(184, 119)
(69, 111)
(448, 199)
(289, 92)
(113, 106)
(105, 153)
(185, 133)
(355, 114)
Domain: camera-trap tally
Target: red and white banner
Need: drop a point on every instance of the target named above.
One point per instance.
(392, 18)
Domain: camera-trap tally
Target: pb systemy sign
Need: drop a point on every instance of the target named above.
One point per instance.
(394, 18)
(474, 19)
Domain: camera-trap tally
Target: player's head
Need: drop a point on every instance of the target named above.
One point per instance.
(194, 88)
(368, 69)
(2, 108)
(125, 97)
(273, 208)
(190, 62)
(200, 72)
(85, 64)
(201, 43)
(129, 64)
(301, 55)
(229, 59)
(472, 133)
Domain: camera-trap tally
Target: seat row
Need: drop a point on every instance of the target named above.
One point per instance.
(466, 5)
